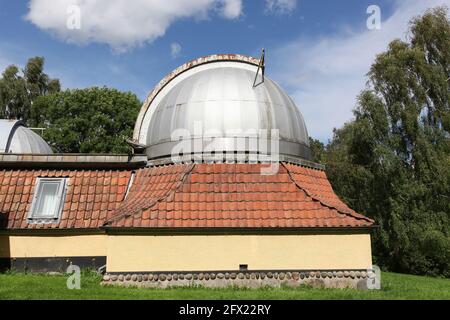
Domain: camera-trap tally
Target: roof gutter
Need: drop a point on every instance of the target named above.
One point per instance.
(72, 161)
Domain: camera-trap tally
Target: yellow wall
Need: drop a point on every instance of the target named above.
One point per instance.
(201, 252)
(53, 246)
(260, 252)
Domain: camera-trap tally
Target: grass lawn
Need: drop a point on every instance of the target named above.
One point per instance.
(395, 286)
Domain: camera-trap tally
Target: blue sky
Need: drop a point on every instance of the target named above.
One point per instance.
(317, 50)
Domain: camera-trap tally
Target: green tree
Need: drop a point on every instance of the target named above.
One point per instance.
(317, 150)
(93, 120)
(393, 161)
(19, 90)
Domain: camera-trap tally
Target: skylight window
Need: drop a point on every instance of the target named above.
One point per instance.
(48, 200)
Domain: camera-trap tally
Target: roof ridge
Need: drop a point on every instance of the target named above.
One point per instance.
(184, 176)
(309, 194)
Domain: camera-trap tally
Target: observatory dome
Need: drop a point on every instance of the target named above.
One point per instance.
(215, 104)
(16, 138)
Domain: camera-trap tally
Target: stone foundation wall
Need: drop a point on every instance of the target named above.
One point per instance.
(326, 279)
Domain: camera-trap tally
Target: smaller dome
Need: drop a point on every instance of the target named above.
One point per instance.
(16, 138)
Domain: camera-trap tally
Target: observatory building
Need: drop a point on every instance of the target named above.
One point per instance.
(221, 190)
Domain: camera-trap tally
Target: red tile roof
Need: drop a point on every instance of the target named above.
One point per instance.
(92, 197)
(183, 196)
(233, 196)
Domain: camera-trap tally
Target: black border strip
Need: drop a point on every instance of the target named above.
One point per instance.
(237, 231)
(191, 231)
(51, 264)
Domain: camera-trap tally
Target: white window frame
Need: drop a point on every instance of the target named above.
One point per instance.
(130, 184)
(61, 195)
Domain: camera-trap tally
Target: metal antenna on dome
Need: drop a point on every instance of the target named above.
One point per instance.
(262, 67)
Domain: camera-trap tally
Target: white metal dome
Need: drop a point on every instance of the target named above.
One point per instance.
(16, 138)
(210, 102)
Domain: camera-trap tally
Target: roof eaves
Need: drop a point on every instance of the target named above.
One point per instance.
(348, 212)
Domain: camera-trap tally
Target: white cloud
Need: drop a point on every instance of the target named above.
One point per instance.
(175, 50)
(281, 6)
(326, 76)
(122, 24)
(231, 9)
